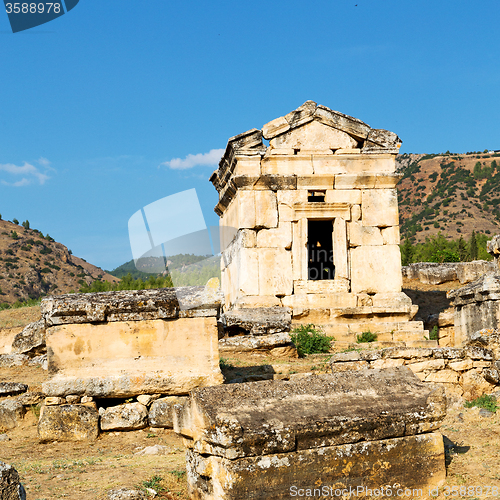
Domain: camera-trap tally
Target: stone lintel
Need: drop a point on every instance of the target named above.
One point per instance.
(321, 210)
(130, 305)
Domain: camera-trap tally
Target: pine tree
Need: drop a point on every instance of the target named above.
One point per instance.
(407, 252)
(473, 250)
(462, 250)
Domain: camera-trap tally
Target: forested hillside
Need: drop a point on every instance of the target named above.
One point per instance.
(449, 193)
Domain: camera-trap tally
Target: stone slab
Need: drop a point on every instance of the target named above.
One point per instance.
(131, 305)
(413, 463)
(376, 269)
(124, 359)
(257, 321)
(318, 411)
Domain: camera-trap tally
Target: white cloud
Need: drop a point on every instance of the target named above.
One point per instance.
(30, 173)
(211, 158)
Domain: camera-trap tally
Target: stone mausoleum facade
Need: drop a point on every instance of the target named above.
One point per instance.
(310, 222)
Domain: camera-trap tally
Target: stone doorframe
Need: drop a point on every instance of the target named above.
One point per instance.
(339, 213)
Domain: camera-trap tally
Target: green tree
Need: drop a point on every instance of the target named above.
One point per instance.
(15, 221)
(407, 252)
(462, 250)
(26, 224)
(473, 249)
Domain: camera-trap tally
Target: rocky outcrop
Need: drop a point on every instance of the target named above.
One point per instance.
(10, 484)
(126, 494)
(261, 439)
(31, 340)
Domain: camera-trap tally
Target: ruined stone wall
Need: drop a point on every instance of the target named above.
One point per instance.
(465, 372)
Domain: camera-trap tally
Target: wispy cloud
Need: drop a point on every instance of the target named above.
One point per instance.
(29, 173)
(199, 160)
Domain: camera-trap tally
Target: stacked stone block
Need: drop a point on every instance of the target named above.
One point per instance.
(265, 440)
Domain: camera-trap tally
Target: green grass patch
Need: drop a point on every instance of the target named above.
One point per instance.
(366, 337)
(485, 401)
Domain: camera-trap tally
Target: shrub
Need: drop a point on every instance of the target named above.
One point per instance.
(310, 340)
(366, 337)
(434, 335)
(485, 401)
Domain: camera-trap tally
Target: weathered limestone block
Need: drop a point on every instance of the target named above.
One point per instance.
(161, 413)
(280, 237)
(10, 360)
(12, 388)
(11, 413)
(124, 359)
(275, 271)
(380, 207)
(130, 305)
(356, 213)
(471, 271)
(227, 420)
(380, 364)
(359, 235)
(488, 338)
(68, 423)
(432, 364)
(431, 273)
(477, 306)
(390, 235)
(262, 439)
(382, 138)
(31, 340)
(275, 127)
(475, 384)
(257, 321)
(376, 269)
(10, 484)
(247, 272)
(351, 196)
(285, 475)
(367, 180)
(127, 494)
(493, 248)
(127, 417)
(313, 135)
(250, 343)
(266, 209)
(447, 376)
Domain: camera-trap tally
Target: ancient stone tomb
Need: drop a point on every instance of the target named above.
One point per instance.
(310, 223)
(123, 344)
(354, 431)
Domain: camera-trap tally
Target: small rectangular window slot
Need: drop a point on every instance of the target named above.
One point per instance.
(296, 151)
(316, 196)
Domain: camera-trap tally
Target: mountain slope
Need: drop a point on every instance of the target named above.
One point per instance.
(448, 193)
(32, 265)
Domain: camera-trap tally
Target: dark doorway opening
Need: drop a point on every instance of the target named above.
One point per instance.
(320, 250)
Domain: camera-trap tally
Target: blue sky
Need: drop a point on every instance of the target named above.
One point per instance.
(96, 104)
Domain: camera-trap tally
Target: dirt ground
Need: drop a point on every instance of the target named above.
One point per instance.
(77, 471)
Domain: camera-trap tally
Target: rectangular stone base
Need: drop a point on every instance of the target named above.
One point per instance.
(413, 462)
(128, 358)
